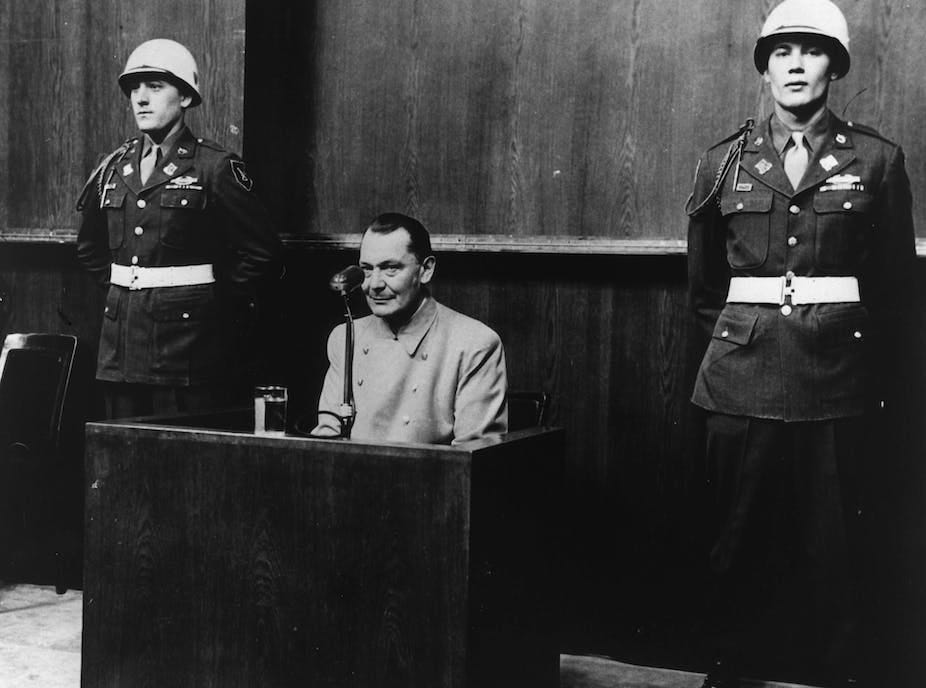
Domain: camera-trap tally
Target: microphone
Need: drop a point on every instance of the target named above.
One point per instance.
(347, 280)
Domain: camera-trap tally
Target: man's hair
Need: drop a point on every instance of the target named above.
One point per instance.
(419, 240)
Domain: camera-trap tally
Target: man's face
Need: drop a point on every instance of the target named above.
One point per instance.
(798, 73)
(158, 106)
(393, 278)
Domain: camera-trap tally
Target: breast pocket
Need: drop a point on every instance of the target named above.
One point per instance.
(748, 220)
(180, 212)
(113, 202)
(844, 224)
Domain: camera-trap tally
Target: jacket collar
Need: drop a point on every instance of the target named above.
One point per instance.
(834, 152)
(177, 159)
(412, 333)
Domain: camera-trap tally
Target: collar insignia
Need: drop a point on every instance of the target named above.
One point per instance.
(127, 169)
(828, 163)
(763, 166)
(169, 169)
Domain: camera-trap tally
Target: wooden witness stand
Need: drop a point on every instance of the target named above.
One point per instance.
(215, 557)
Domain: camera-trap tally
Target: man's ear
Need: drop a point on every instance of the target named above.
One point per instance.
(427, 268)
(185, 100)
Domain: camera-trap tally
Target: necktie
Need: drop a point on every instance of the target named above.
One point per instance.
(149, 162)
(796, 159)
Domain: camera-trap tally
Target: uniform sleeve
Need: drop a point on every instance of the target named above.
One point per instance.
(333, 386)
(93, 237)
(887, 291)
(481, 406)
(708, 270)
(256, 248)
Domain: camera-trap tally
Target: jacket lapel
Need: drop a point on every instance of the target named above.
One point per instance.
(761, 162)
(127, 168)
(836, 153)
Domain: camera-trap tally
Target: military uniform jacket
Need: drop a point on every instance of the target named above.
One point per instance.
(197, 207)
(440, 380)
(850, 216)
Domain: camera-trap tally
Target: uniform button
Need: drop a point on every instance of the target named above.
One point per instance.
(107, 201)
(139, 231)
(141, 203)
(789, 274)
(792, 241)
(134, 260)
(185, 316)
(794, 210)
(786, 310)
(847, 205)
(183, 201)
(406, 420)
(740, 206)
(725, 333)
(759, 141)
(857, 334)
(840, 138)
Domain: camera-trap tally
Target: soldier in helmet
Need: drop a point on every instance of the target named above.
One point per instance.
(800, 248)
(171, 226)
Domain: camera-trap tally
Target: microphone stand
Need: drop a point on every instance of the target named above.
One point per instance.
(346, 410)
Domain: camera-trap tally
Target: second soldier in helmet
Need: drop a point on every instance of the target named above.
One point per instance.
(800, 246)
(171, 227)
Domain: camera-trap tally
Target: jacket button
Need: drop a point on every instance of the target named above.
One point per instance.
(786, 310)
(725, 333)
(840, 138)
(792, 241)
(185, 316)
(794, 210)
(847, 205)
(134, 260)
(740, 206)
(141, 203)
(789, 274)
(139, 231)
(183, 201)
(857, 334)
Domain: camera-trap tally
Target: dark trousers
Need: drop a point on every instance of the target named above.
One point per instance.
(788, 515)
(127, 400)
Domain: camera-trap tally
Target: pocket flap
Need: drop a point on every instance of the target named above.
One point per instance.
(836, 202)
(735, 327)
(114, 198)
(113, 300)
(746, 203)
(182, 303)
(192, 199)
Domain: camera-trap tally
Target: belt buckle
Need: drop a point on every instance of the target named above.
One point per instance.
(787, 291)
(133, 278)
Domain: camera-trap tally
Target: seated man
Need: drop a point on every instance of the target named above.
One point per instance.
(422, 372)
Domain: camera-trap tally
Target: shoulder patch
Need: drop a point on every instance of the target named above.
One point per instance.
(241, 176)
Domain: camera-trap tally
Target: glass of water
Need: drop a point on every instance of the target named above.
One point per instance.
(270, 410)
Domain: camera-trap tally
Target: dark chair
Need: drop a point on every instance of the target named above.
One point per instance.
(526, 409)
(34, 374)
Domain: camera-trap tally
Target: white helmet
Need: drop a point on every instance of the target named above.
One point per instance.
(819, 18)
(166, 57)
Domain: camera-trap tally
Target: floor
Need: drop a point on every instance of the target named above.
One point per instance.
(40, 648)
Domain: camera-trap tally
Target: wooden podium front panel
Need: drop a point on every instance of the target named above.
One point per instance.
(224, 559)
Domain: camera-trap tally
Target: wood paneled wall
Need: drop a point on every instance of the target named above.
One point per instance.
(61, 108)
(536, 118)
